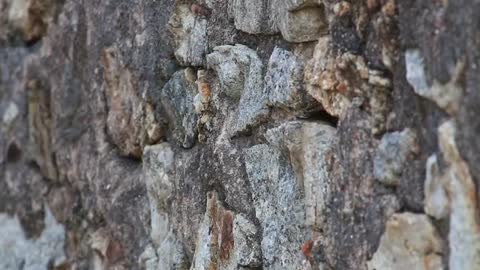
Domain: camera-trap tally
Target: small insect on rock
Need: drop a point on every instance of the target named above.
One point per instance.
(200, 10)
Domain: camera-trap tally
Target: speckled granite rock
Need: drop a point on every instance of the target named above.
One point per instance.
(239, 134)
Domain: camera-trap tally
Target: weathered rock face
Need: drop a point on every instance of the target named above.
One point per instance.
(239, 134)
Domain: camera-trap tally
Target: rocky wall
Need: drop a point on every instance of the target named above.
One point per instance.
(239, 134)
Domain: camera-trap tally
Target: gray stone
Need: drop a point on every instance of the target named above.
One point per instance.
(410, 241)
(19, 252)
(284, 82)
(391, 155)
(190, 35)
(177, 98)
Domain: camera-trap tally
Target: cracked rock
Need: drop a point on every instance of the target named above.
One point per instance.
(309, 145)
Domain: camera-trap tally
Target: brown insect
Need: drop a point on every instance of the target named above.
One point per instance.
(200, 10)
(307, 249)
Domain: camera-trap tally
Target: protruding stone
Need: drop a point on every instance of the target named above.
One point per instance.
(190, 35)
(284, 82)
(410, 241)
(225, 240)
(131, 122)
(391, 155)
(436, 200)
(178, 101)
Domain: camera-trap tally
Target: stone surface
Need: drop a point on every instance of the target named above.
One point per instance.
(410, 241)
(279, 187)
(120, 118)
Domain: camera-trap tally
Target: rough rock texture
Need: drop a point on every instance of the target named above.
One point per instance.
(239, 134)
